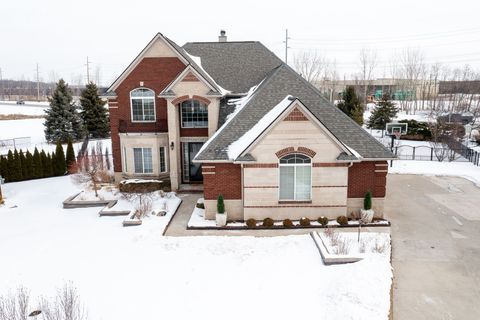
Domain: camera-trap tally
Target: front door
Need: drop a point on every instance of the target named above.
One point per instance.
(192, 172)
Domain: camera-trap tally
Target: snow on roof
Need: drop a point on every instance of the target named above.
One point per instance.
(198, 61)
(239, 104)
(354, 152)
(236, 148)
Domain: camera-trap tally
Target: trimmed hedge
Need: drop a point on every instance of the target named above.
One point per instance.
(251, 223)
(323, 220)
(342, 220)
(287, 223)
(268, 222)
(305, 222)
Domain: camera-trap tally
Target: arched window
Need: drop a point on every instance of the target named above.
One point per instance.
(194, 114)
(295, 177)
(143, 105)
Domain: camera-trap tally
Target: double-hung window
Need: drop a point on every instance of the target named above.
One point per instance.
(143, 105)
(142, 159)
(295, 178)
(194, 114)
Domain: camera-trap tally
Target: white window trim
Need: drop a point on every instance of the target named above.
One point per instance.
(143, 98)
(295, 180)
(181, 115)
(143, 161)
(165, 158)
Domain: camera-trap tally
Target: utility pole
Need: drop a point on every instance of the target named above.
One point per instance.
(88, 71)
(38, 84)
(286, 46)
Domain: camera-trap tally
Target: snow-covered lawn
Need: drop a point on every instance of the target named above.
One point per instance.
(29, 108)
(135, 273)
(465, 170)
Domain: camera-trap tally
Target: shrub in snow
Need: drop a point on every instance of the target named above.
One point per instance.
(367, 201)
(268, 222)
(342, 220)
(287, 223)
(66, 305)
(379, 247)
(220, 204)
(89, 171)
(304, 221)
(323, 220)
(201, 205)
(251, 223)
(332, 235)
(362, 246)
(343, 246)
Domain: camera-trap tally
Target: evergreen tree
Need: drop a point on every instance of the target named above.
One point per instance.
(60, 165)
(382, 114)
(9, 173)
(44, 160)
(62, 120)
(37, 165)
(94, 114)
(29, 165)
(107, 159)
(17, 166)
(70, 158)
(23, 165)
(49, 167)
(3, 163)
(351, 105)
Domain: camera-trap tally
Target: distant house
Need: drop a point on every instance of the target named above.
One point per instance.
(231, 116)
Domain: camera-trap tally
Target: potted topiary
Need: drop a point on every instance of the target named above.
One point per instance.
(366, 214)
(221, 216)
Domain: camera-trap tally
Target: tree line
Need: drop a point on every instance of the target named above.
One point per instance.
(19, 165)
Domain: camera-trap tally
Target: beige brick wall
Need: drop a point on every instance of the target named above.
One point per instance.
(233, 208)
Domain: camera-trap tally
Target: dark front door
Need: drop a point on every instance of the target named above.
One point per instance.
(192, 172)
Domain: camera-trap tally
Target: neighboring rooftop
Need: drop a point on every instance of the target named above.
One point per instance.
(235, 66)
(281, 82)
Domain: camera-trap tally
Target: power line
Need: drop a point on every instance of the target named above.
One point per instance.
(286, 46)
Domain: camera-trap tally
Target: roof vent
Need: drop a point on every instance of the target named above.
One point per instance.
(223, 36)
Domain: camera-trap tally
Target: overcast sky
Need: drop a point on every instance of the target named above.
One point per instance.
(60, 34)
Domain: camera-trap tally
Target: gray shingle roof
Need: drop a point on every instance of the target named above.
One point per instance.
(235, 66)
(281, 82)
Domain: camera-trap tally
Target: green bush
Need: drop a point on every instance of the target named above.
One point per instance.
(287, 223)
(268, 222)
(304, 221)
(342, 220)
(367, 201)
(201, 205)
(323, 220)
(251, 223)
(220, 204)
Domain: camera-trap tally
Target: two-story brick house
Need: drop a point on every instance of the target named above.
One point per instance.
(233, 116)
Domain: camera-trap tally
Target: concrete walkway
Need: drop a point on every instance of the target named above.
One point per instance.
(436, 247)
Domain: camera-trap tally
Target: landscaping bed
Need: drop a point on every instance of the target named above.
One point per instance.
(198, 222)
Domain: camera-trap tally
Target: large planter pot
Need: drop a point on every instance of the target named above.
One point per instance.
(221, 219)
(367, 215)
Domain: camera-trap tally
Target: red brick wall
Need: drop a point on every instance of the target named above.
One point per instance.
(227, 180)
(156, 74)
(368, 175)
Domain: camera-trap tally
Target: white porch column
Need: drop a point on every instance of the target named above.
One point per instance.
(174, 136)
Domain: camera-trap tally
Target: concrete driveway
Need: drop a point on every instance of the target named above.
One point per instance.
(436, 247)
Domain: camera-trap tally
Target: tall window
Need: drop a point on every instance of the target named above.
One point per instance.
(142, 159)
(194, 114)
(163, 160)
(143, 105)
(295, 177)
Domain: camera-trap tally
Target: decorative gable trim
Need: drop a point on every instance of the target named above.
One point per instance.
(189, 70)
(306, 151)
(284, 152)
(190, 77)
(296, 115)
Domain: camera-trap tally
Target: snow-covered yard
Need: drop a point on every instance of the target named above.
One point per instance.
(135, 273)
(29, 108)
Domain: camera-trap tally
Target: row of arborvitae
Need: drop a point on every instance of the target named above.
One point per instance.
(19, 165)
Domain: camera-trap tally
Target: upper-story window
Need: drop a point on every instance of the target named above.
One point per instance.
(295, 177)
(143, 105)
(194, 114)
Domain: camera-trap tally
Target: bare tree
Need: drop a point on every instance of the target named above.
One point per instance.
(65, 306)
(368, 62)
(15, 306)
(90, 170)
(142, 199)
(311, 65)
